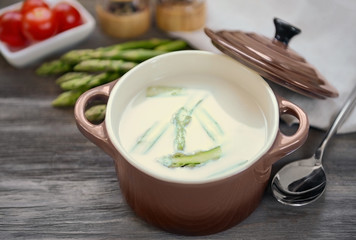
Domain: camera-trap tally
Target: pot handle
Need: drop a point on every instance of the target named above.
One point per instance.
(284, 145)
(96, 133)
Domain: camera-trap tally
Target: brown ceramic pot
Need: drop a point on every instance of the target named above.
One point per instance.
(197, 207)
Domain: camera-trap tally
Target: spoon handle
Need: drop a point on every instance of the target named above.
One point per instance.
(344, 112)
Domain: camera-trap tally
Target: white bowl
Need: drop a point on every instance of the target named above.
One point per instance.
(39, 50)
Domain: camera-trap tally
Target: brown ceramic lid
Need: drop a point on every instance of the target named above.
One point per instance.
(272, 59)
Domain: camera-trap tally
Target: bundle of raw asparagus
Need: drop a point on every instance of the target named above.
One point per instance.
(84, 69)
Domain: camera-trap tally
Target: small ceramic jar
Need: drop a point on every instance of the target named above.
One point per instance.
(180, 15)
(124, 18)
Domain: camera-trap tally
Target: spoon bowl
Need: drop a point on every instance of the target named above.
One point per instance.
(301, 176)
(300, 182)
(303, 181)
(298, 200)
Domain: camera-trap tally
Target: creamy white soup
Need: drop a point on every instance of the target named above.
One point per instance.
(213, 125)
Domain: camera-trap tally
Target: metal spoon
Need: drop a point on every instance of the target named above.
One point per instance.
(303, 181)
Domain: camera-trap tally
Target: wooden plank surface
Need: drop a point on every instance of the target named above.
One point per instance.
(55, 184)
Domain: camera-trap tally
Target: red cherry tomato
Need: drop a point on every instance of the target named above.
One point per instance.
(39, 24)
(67, 16)
(10, 29)
(28, 5)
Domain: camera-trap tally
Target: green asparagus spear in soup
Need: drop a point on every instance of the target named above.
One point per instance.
(149, 138)
(209, 124)
(181, 120)
(154, 91)
(97, 65)
(191, 160)
(96, 113)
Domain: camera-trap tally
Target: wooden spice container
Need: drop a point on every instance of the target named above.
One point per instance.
(124, 18)
(180, 15)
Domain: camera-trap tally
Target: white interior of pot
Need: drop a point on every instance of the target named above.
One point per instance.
(186, 63)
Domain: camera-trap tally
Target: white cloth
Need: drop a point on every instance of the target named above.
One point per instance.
(327, 41)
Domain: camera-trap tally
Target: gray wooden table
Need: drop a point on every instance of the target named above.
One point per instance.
(55, 184)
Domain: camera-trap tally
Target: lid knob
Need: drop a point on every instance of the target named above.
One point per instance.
(284, 31)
